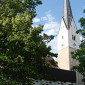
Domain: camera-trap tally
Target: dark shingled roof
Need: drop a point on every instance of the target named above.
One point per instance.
(67, 13)
(62, 75)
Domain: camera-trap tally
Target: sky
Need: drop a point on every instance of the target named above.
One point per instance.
(49, 14)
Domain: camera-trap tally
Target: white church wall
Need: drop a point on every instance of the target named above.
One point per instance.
(65, 36)
(44, 82)
(72, 32)
(62, 36)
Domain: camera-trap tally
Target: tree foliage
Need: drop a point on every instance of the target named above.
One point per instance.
(79, 55)
(21, 45)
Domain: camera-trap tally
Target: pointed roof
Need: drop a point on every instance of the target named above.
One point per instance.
(67, 13)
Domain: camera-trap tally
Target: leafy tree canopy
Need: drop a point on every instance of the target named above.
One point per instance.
(21, 45)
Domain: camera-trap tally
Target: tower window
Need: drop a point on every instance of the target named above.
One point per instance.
(73, 37)
(62, 37)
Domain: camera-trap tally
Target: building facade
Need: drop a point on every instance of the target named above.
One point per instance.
(68, 40)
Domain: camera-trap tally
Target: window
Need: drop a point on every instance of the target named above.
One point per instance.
(73, 37)
(62, 37)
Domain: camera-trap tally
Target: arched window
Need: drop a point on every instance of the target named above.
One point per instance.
(74, 38)
(62, 37)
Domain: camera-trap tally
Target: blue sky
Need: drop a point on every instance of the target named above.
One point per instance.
(49, 14)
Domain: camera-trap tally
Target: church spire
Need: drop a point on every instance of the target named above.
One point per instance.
(67, 13)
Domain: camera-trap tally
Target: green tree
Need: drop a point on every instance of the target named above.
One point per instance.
(21, 45)
(79, 55)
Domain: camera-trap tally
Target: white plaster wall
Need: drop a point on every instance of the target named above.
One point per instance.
(62, 32)
(72, 31)
(67, 36)
(44, 82)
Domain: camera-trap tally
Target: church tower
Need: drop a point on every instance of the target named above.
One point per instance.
(68, 40)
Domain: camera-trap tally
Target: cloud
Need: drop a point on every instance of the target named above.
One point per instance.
(50, 32)
(44, 18)
(81, 38)
(55, 59)
(36, 20)
(51, 27)
(34, 25)
(48, 17)
(53, 45)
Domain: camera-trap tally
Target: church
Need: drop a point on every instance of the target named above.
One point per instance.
(68, 41)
